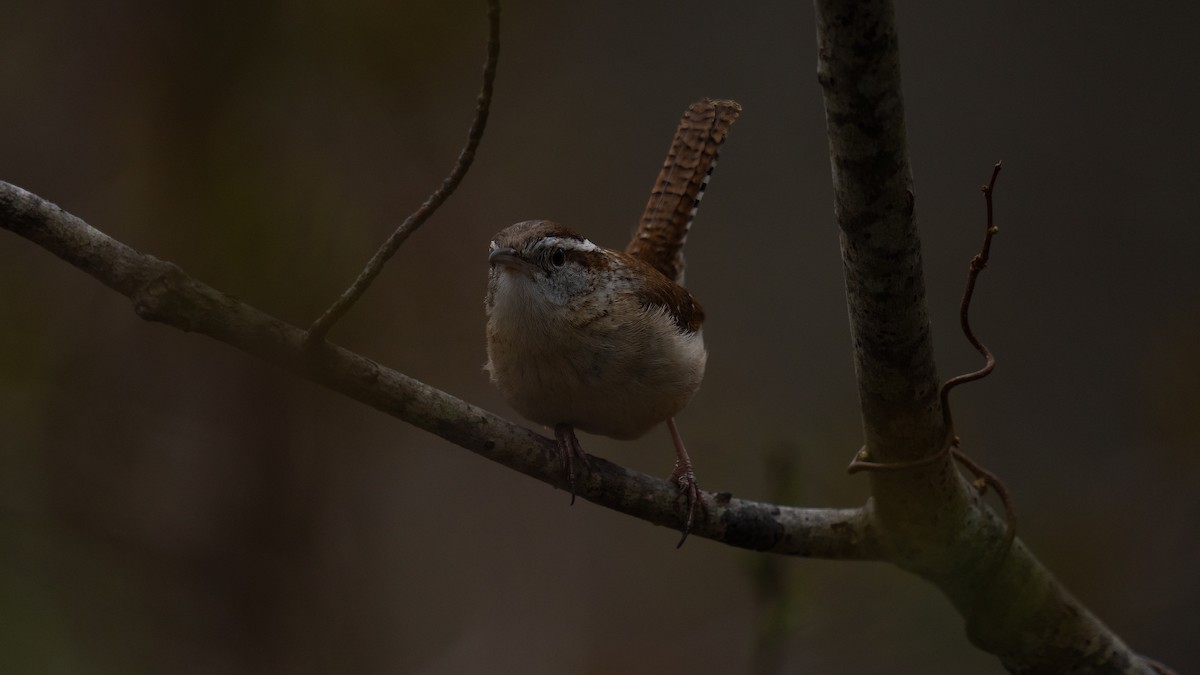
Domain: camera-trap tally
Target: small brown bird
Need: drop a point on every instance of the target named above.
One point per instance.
(604, 341)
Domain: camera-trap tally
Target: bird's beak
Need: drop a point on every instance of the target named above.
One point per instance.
(508, 257)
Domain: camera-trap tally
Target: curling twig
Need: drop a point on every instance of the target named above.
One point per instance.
(979, 262)
(983, 477)
(319, 329)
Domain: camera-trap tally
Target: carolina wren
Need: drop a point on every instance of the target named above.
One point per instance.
(608, 342)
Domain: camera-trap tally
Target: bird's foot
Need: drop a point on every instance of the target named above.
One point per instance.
(685, 479)
(570, 450)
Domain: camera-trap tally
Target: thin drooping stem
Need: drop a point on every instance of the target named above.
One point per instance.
(320, 327)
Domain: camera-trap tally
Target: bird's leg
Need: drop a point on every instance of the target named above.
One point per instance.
(685, 478)
(570, 450)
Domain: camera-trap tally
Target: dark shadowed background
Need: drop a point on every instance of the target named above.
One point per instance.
(168, 504)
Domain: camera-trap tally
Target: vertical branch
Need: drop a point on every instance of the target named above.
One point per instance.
(859, 71)
(319, 328)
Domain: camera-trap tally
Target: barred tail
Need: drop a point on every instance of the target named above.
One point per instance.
(680, 186)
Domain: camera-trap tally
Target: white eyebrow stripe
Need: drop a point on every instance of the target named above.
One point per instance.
(570, 244)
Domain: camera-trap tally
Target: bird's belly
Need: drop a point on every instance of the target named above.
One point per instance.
(611, 383)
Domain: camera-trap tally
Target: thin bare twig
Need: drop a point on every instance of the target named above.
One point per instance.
(983, 477)
(862, 463)
(979, 262)
(320, 328)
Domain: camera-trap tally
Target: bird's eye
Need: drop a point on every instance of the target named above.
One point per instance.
(558, 257)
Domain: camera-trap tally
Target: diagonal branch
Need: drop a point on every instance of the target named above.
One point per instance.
(320, 327)
(162, 292)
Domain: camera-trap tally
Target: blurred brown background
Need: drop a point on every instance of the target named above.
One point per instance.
(170, 505)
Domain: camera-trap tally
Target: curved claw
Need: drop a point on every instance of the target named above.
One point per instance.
(684, 477)
(686, 480)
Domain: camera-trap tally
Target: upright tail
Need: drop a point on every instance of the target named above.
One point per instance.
(680, 186)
